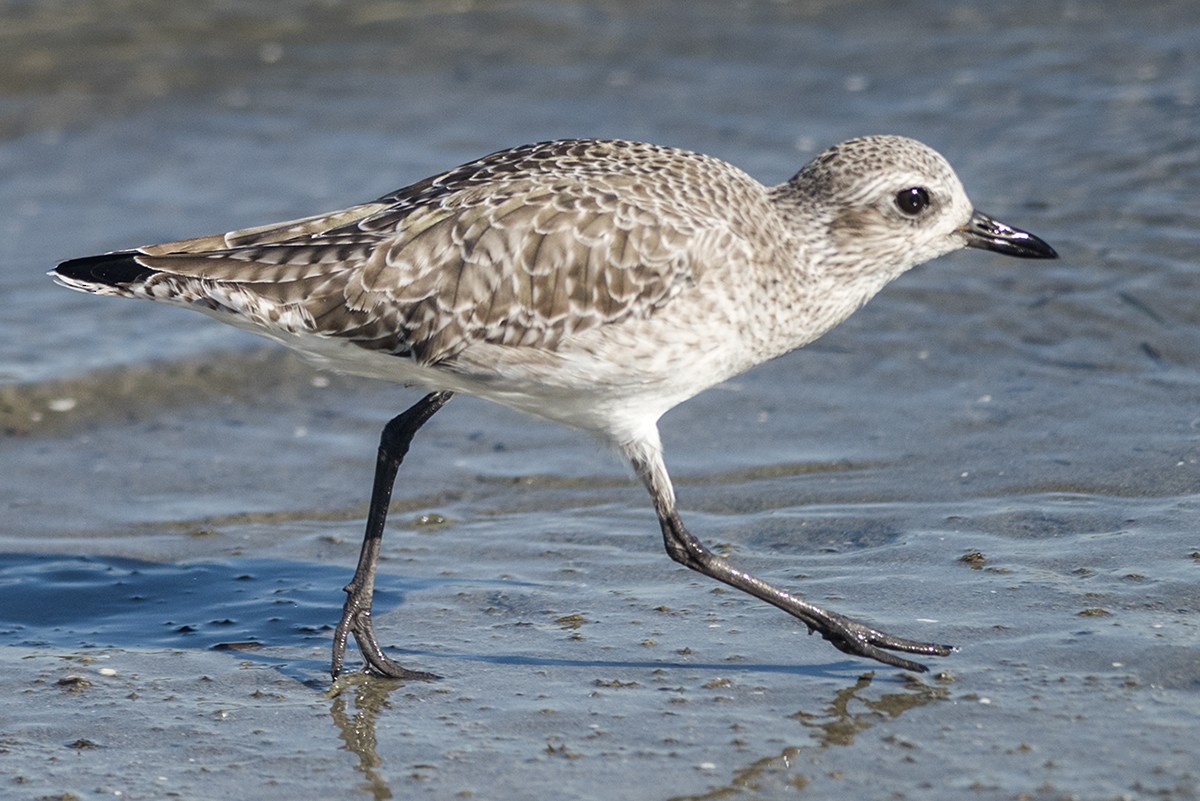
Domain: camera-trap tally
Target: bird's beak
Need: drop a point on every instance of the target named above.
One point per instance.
(981, 231)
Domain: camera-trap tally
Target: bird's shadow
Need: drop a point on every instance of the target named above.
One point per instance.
(100, 601)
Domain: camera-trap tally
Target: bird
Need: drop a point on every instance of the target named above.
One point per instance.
(591, 282)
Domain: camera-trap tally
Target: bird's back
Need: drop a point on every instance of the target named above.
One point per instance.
(523, 248)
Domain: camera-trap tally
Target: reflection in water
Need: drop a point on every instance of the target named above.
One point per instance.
(839, 723)
(843, 718)
(358, 733)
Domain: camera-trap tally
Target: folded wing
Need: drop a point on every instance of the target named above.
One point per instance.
(524, 248)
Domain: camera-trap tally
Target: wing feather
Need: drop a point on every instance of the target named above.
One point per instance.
(526, 247)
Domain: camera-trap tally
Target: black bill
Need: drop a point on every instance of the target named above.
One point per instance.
(984, 232)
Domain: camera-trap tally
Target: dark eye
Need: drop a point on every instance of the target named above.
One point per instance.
(912, 201)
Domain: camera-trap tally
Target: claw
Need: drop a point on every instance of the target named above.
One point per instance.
(856, 639)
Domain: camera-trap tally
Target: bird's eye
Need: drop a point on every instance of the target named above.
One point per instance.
(912, 201)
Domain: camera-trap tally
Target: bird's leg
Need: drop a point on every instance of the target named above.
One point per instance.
(356, 614)
(848, 636)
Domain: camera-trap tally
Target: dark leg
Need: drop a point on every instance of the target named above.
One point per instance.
(356, 614)
(848, 636)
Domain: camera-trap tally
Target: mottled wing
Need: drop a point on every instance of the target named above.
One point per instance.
(522, 248)
(527, 265)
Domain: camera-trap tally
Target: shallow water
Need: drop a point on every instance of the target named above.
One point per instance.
(181, 505)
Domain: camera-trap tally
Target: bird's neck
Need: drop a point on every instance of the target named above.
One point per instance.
(833, 278)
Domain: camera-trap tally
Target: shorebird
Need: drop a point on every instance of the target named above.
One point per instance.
(597, 283)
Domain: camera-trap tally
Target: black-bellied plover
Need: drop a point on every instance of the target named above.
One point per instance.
(596, 283)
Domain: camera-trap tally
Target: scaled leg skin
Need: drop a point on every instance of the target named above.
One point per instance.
(356, 614)
(848, 636)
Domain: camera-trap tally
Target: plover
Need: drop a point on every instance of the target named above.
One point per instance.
(596, 283)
